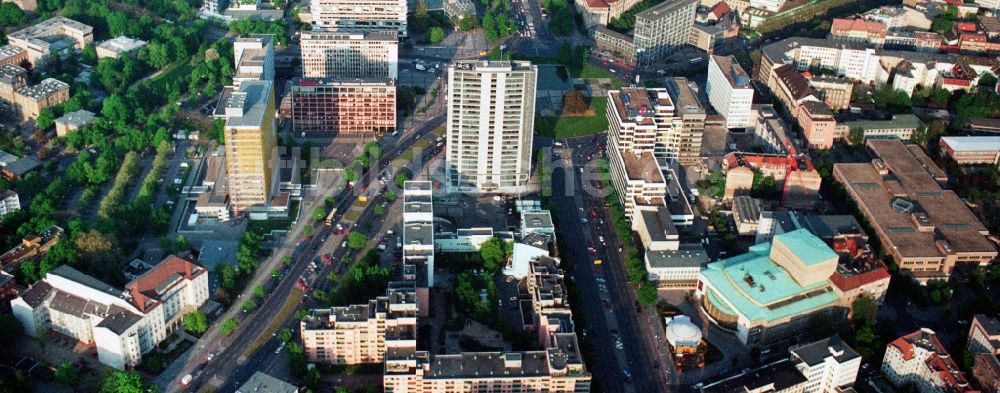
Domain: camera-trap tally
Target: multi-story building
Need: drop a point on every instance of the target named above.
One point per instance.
(214, 6)
(121, 325)
(30, 100)
(15, 55)
(972, 150)
(662, 29)
(458, 9)
(12, 79)
(669, 263)
(828, 364)
(746, 215)
(73, 121)
(260, 382)
(984, 344)
(858, 30)
(614, 45)
(31, 246)
(56, 35)
(817, 123)
(920, 360)
(776, 291)
(790, 87)
(729, 90)
(360, 15)
(362, 333)
(8, 291)
(900, 127)
(927, 230)
(600, 12)
(418, 235)
(334, 106)
(491, 111)
(834, 91)
(254, 58)
(9, 202)
(118, 46)
(250, 143)
(349, 54)
(684, 143)
(824, 366)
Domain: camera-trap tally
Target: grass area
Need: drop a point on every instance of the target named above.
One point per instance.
(286, 311)
(589, 71)
(568, 127)
(440, 130)
(175, 71)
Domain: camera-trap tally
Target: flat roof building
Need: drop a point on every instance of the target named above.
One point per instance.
(10, 54)
(926, 229)
(254, 58)
(73, 121)
(31, 100)
(663, 29)
(350, 54)
(260, 383)
(54, 35)
(729, 90)
(389, 15)
(118, 46)
(250, 142)
(972, 150)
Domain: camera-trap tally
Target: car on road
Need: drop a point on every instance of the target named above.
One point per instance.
(626, 375)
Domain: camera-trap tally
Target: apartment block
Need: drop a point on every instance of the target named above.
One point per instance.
(368, 15)
(926, 229)
(30, 100)
(418, 234)
(662, 29)
(15, 55)
(9, 202)
(335, 106)
(56, 35)
(920, 360)
(491, 114)
(729, 90)
(120, 325)
(984, 344)
(836, 92)
(350, 54)
(818, 124)
(250, 144)
(118, 46)
(31, 246)
(772, 294)
(254, 58)
(824, 366)
(971, 150)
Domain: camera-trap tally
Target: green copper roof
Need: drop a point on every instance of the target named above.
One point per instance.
(757, 288)
(809, 248)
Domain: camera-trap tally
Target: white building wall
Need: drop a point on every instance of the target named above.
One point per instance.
(732, 103)
(32, 320)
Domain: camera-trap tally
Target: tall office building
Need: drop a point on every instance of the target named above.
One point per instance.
(254, 58)
(250, 143)
(350, 54)
(663, 28)
(360, 14)
(491, 112)
(729, 90)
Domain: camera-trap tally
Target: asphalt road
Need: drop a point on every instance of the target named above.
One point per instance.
(637, 357)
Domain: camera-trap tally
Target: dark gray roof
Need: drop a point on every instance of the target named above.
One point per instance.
(37, 294)
(261, 382)
(22, 166)
(78, 276)
(782, 374)
(815, 353)
(828, 226)
(119, 320)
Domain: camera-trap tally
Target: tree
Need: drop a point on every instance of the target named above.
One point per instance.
(258, 291)
(421, 11)
(285, 335)
(379, 210)
(493, 255)
(401, 178)
(647, 294)
(318, 213)
(249, 305)
(864, 311)
(181, 244)
(67, 373)
(856, 137)
(468, 22)
(435, 35)
(195, 322)
(988, 80)
(11, 15)
(390, 196)
(297, 360)
(307, 230)
(357, 240)
(574, 103)
(122, 382)
(46, 118)
(229, 326)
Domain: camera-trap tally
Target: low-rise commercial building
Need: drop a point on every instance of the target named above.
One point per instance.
(121, 325)
(118, 46)
(918, 359)
(972, 150)
(926, 229)
(73, 121)
(746, 215)
(58, 35)
(367, 15)
(340, 106)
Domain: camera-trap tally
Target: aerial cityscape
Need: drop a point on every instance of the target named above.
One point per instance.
(500, 196)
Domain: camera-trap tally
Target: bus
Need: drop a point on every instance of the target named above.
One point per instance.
(329, 217)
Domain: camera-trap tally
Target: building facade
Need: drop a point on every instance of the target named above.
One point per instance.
(366, 15)
(491, 114)
(332, 106)
(972, 150)
(920, 360)
(9, 202)
(254, 58)
(30, 100)
(56, 35)
(662, 29)
(350, 54)
(250, 144)
(729, 90)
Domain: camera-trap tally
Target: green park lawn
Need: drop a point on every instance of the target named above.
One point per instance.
(574, 126)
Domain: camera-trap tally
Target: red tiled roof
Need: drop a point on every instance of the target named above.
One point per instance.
(966, 26)
(144, 288)
(858, 280)
(842, 26)
(720, 9)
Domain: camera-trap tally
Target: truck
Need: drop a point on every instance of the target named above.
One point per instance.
(329, 217)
